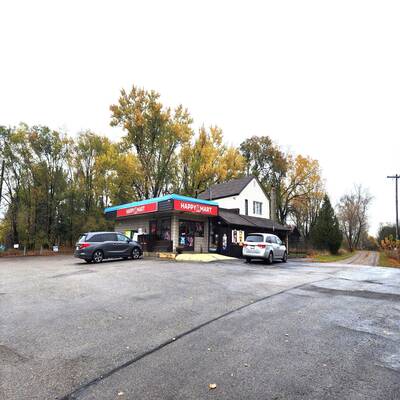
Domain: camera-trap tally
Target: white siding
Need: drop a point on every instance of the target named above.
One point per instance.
(252, 192)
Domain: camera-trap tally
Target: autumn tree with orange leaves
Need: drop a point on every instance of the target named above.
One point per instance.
(296, 180)
(206, 160)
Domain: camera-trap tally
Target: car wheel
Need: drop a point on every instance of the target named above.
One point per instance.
(270, 258)
(284, 258)
(248, 260)
(135, 253)
(97, 256)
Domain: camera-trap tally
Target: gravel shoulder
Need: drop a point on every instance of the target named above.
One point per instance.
(363, 258)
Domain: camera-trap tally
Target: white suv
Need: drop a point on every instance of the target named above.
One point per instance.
(265, 246)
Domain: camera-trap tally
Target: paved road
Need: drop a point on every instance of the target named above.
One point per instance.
(166, 330)
(364, 258)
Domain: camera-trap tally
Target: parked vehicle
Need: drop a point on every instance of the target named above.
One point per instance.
(97, 246)
(264, 246)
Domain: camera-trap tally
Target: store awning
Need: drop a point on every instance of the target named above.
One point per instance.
(233, 218)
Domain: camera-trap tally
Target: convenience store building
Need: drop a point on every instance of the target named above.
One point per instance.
(217, 221)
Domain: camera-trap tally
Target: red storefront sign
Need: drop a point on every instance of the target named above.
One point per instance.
(196, 208)
(136, 210)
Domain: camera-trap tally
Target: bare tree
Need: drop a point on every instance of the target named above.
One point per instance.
(305, 209)
(353, 215)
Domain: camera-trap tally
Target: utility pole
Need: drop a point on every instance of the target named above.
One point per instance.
(2, 178)
(396, 177)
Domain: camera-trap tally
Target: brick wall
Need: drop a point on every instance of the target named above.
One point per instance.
(133, 224)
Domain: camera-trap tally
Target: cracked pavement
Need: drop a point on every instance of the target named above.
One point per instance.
(164, 330)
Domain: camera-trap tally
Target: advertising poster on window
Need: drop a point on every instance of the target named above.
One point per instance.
(234, 236)
(224, 241)
(237, 236)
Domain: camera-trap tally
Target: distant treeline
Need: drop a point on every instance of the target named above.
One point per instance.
(56, 186)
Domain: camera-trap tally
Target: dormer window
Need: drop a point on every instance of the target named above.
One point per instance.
(257, 208)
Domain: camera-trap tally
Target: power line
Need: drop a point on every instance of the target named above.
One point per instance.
(396, 178)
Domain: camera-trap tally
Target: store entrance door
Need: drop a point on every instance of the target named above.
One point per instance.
(186, 235)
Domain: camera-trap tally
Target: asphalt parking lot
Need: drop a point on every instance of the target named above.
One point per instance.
(165, 330)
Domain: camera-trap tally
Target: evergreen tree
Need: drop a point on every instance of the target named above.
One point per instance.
(326, 233)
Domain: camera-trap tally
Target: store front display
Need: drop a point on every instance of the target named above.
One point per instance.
(167, 223)
(160, 229)
(188, 231)
(186, 235)
(179, 223)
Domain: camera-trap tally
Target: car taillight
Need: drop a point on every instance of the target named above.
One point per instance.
(84, 245)
(262, 246)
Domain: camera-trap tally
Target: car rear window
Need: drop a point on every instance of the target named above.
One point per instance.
(255, 238)
(96, 238)
(82, 239)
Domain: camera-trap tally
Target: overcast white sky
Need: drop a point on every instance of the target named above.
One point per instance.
(321, 78)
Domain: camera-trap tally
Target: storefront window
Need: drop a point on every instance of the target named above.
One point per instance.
(161, 229)
(153, 227)
(165, 229)
(187, 231)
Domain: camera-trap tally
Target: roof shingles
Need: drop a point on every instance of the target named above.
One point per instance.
(226, 189)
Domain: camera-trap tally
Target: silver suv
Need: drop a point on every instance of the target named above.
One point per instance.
(264, 246)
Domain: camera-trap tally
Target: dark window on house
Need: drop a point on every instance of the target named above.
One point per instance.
(257, 208)
(246, 207)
